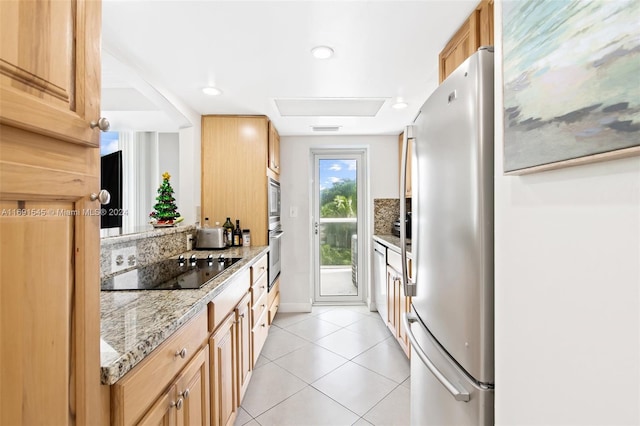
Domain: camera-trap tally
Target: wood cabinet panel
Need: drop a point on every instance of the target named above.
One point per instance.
(223, 373)
(274, 150)
(259, 335)
(50, 68)
(132, 395)
(193, 387)
(234, 172)
(49, 304)
(244, 359)
(475, 32)
(409, 161)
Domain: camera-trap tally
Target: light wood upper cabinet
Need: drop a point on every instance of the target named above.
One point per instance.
(243, 330)
(50, 67)
(234, 172)
(49, 244)
(476, 31)
(274, 149)
(409, 153)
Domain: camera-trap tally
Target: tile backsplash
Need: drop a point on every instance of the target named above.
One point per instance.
(142, 248)
(385, 212)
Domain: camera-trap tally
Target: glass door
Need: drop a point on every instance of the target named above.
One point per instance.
(337, 225)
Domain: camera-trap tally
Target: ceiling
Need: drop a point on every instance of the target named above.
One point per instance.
(158, 55)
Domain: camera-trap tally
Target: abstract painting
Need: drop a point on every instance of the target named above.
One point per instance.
(571, 82)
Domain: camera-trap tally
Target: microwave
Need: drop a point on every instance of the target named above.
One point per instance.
(273, 199)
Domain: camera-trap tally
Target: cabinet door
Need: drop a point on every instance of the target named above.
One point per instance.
(223, 374)
(49, 229)
(274, 149)
(460, 47)
(404, 306)
(50, 67)
(163, 412)
(409, 151)
(192, 386)
(234, 156)
(243, 327)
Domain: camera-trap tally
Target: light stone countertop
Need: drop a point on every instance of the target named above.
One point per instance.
(392, 242)
(134, 323)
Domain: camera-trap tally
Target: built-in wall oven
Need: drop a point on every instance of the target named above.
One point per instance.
(275, 230)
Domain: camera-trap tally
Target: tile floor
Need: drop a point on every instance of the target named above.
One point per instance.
(333, 366)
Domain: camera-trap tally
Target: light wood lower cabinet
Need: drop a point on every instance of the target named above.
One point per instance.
(244, 358)
(143, 391)
(186, 402)
(398, 303)
(274, 300)
(223, 373)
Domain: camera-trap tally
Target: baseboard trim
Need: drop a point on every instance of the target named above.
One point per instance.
(294, 307)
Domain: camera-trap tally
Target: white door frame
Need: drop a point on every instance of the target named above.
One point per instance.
(360, 155)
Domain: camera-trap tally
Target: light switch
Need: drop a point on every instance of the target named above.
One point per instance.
(293, 211)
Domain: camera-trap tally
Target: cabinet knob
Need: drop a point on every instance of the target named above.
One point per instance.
(177, 404)
(103, 196)
(102, 124)
(181, 353)
(185, 393)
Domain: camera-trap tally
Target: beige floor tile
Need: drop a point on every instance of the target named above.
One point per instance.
(308, 407)
(342, 317)
(346, 343)
(280, 342)
(283, 319)
(269, 386)
(371, 327)
(386, 359)
(242, 418)
(312, 328)
(355, 387)
(393, 410)
(310, 362)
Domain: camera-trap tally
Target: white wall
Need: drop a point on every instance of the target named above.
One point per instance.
(295, 179)
(567, 295)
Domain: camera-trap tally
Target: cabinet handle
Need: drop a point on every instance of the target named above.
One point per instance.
(102, 124)
(181, 353)
(103, 196)
(177, 404)
(264, 325)
(185, 393)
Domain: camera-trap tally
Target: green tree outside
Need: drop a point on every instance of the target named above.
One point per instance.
(339, 201)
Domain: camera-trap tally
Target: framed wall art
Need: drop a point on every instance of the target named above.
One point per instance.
(571, 82)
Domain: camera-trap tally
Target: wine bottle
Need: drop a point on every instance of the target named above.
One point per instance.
(228, 232)
(237, 235)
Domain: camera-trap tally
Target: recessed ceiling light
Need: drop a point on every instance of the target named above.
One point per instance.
(399, 105)
(212, 91)
(322, 52)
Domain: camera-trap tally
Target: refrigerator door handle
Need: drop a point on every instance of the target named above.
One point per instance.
(458, 395)
(409, 288)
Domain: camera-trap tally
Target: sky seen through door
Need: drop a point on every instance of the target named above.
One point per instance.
(334, 171)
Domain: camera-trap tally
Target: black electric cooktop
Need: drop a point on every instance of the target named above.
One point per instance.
(170, 274)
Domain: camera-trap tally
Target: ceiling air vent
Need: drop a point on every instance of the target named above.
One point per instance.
(325, 128)
(329, 107)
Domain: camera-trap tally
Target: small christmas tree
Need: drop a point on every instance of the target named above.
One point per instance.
(166, 210)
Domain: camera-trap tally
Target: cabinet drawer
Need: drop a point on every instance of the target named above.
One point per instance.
(273, 308)
(139, 388)
(395, 261)
(259, 308)
(275, 289)
(259, 289)
(226, 302)
(259, 336)
(259, 269)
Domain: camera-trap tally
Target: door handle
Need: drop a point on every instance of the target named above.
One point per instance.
(458, 395)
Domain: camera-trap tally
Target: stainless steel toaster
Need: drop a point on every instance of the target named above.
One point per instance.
(210, 238)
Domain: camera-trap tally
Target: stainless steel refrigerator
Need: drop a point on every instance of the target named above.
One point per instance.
(450, 325)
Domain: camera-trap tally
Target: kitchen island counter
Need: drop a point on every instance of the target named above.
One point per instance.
(134, 323)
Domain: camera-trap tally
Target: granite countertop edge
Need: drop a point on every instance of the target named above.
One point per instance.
(391, 241)
(180, 307)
